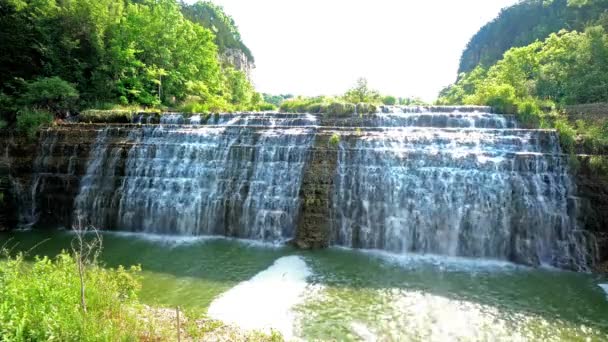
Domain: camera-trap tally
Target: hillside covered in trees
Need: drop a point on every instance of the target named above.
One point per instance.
(526, 22)
(539, 81)
(60, 57)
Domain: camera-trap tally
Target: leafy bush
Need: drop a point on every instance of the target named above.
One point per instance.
(340, 109)
(50, 93)
(40, 301)
(567, 135)
(30, 120)
(106, 116)
(389, 100)
(529, 113)
(361, 92)
(267, 107)
(366, 108)
(3, 124)
(334, 140)
(501, 97)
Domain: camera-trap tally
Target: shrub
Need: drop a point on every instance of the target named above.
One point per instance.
(334, 140)
(192, 107)
(3, 124)
(30, 120)
(529, 113)
(501, 97)
(40, 301)
(389, 100)
(267, 107)
(567, 135)
(340, 109)
(366, 108)
(50, 93)
(106, 116)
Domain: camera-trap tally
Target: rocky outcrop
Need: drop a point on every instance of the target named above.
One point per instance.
(592, 191)
(239, 60)
(314, 225)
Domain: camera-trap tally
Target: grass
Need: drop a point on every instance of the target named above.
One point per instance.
(40, 301)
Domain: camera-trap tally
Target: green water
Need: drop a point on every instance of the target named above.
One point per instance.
(357, 295)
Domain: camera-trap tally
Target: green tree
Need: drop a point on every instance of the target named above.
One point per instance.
(389, 100)
(51, 94)
(361, 93)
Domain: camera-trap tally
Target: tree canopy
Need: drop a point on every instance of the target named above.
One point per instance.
(526, 22)
(126, 52)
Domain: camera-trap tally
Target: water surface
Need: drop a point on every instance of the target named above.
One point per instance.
(362, 295)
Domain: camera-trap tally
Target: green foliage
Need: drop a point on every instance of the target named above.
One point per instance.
(50, 93)
(76, 54)
(362, 93)
(526, 22)
(334, 140)
(30, 120)
(366, 108)
(106, 116)
(567, 135)
(412, 101)
(534, 81)
(389, 100)
(267, 107)
(567, 68)
(212, 16)
(323, 105)
(276, 99)
(40, 301)
(3, 124)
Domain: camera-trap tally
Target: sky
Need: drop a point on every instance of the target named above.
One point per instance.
(321, 47)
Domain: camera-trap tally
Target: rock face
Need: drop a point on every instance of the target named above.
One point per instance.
(383, 181)
(238, 60)
(593, 205)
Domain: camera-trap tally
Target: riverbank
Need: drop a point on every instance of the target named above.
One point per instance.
(202, 328)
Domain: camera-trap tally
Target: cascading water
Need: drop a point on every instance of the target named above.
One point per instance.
(427, 184)
(237, 176)
(47, 173)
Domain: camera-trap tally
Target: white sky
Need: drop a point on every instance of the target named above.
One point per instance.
(314, 47)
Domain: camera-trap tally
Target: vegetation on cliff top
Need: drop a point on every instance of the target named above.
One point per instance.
(360, 99)
(227, 35)
(524, 23)
(539, 80)
(63, 56)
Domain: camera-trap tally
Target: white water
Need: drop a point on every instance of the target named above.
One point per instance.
(265, 302)
(464, 184)
(605, 288)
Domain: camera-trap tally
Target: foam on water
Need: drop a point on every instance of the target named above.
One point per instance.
(179, 240)
(605, 288)
(410, 260)
(265, 301)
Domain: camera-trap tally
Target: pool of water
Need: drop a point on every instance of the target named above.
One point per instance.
(344, 294)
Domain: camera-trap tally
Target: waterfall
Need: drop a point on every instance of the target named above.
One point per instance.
(45, 194)
(232, 175)
(458, 183)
